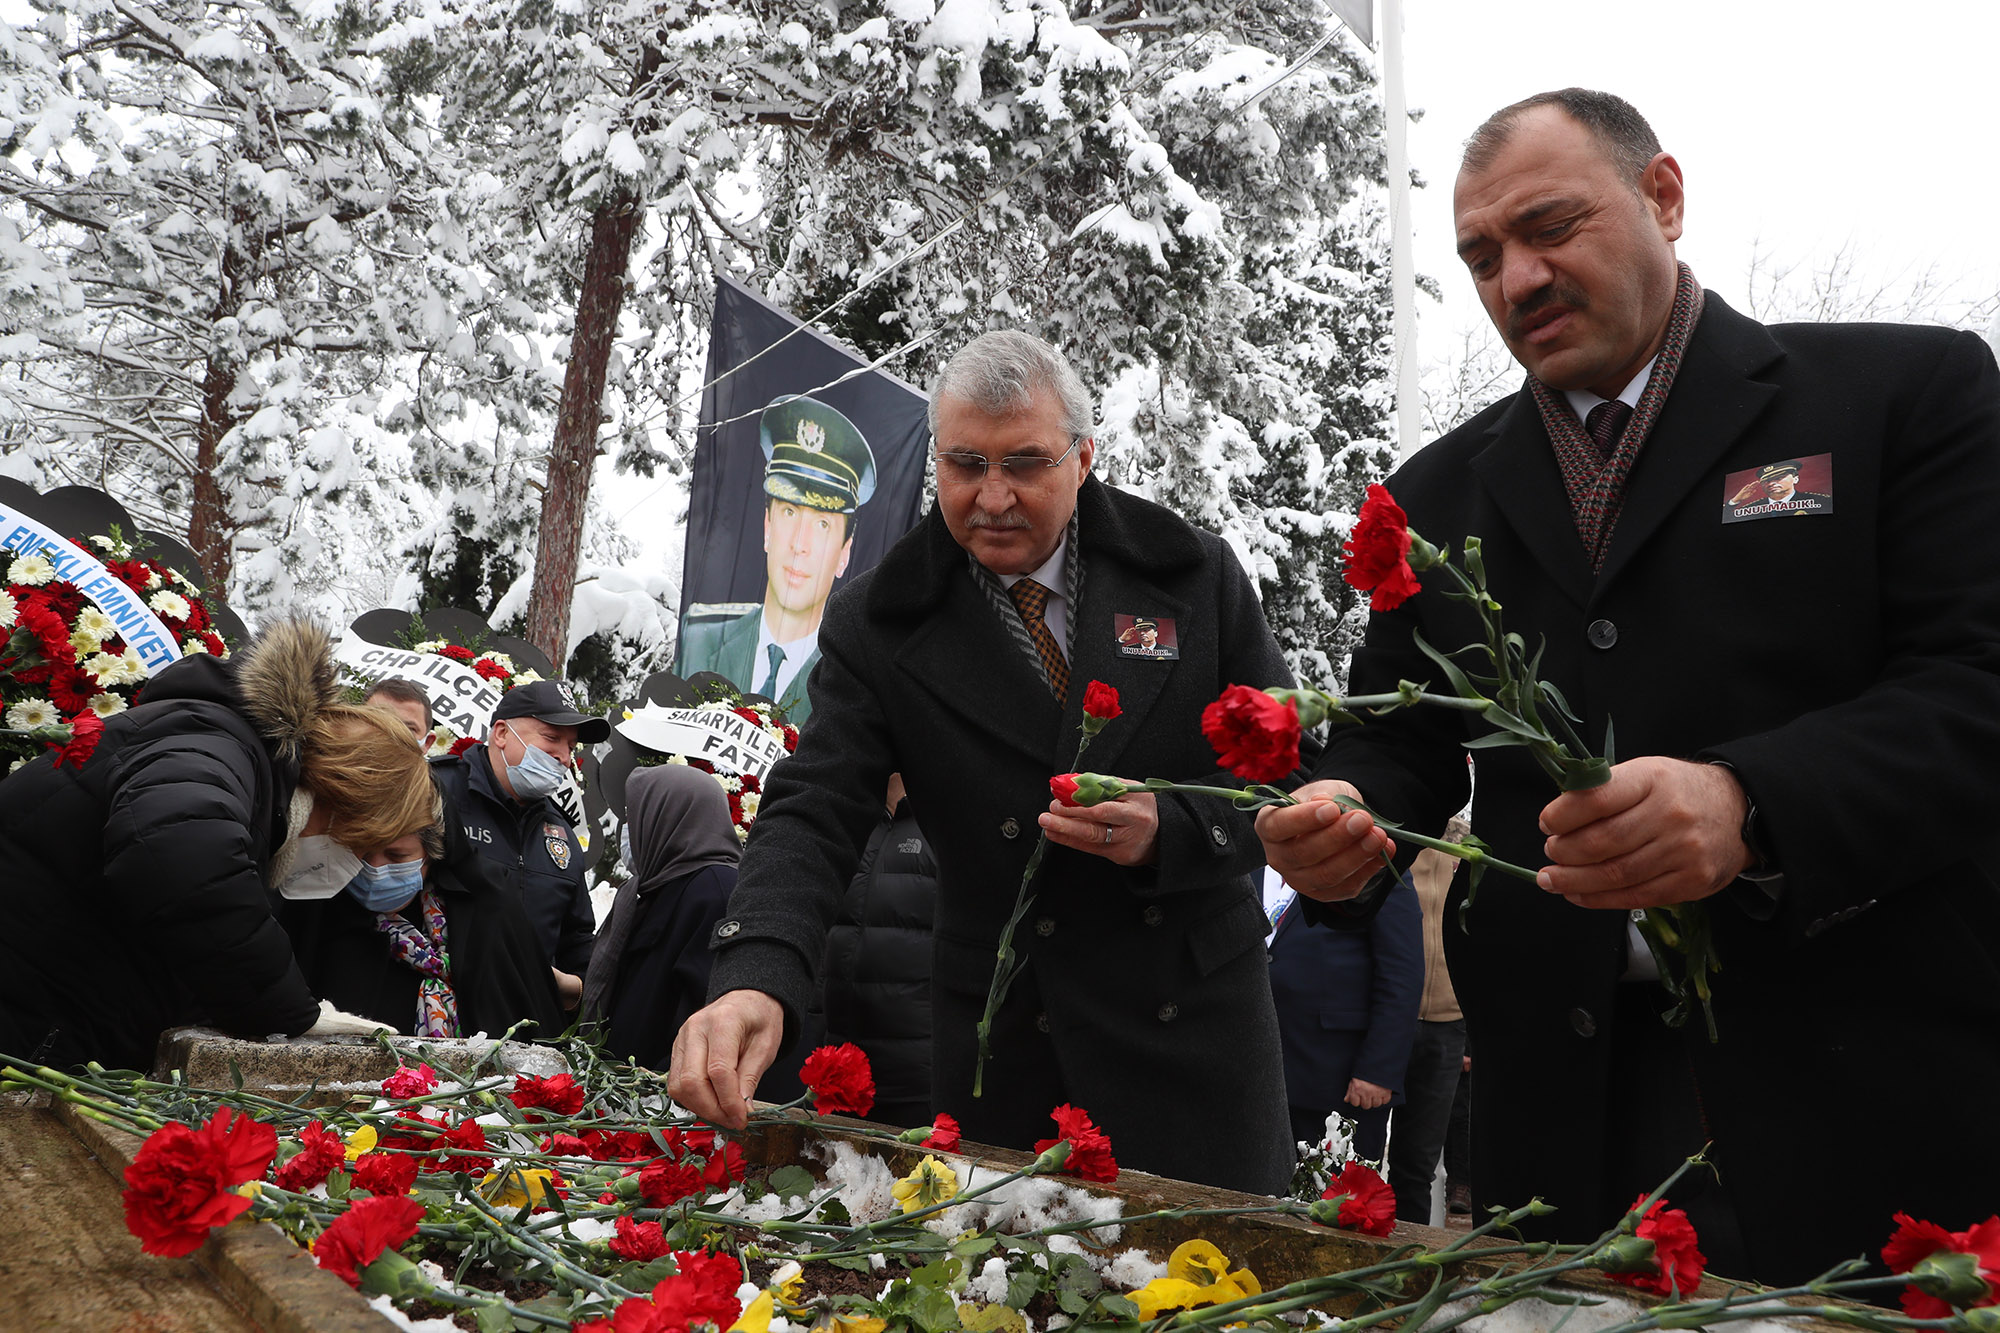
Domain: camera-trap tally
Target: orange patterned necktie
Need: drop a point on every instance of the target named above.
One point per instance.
(1031, 599)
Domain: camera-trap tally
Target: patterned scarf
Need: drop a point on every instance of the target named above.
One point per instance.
(1597, 485)
(424, 951)
(1010, 615)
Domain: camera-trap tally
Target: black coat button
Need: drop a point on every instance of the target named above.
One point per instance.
(1153, 916)
(1010, 827)
(1169, 1012)
(1581, 1021)
(1045, 926)
(1602, 634)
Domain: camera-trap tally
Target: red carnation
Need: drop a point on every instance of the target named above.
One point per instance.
(1678, 1264)
(840, 1080)
(1101, 701)
(1915, 1242)
(664, 1184)
(1089, 1148)
(320, 1154)
(1377, 552)
(407, 1082)
(1063, 787)
(619, 1145)
(559, 1094)
(385, 1173)
(455, 653)
(461, 745)
(181, 1185)
(1367, 1204)
(724, 1165)
(85, 730)
(944, 1134)
(1255, 736)
(704, 1291)
(464, 1136)
(638, 1241)
(358, 1236)
(791, 737)
(213, 642)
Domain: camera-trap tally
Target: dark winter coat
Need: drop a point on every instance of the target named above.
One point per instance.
(663, 973)
(878, 967)
(536, 850)
(1847, 665)
(498, 974)
(1135, 979)
(1347, 1001)
(133, 888)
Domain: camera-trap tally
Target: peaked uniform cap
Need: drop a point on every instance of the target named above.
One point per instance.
(814, 456)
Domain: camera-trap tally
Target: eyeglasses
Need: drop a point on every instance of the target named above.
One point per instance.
(1019, 467)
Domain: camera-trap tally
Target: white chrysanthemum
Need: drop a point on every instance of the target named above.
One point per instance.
(92, 621)
(107, 704)
(153, 580)
(528, 677)
(31, 713)
(170, 604)
(191, 645)
(83, 645)
(742, 833)
(9, 608)
(115, 547)
(729, 783)
(680, 759)
(33, 570)
(131, 669)
(751, 801)
(501, 660)
(104, 667)
(428, 646)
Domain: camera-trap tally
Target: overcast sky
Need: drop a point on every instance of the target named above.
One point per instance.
(1802, 126)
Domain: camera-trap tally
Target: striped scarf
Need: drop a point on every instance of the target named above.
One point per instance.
(424, 952)
(1010, 615)
(1596, 485)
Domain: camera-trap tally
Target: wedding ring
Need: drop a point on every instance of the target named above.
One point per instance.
(1107, 835)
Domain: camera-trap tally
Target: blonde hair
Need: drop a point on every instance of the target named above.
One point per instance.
(367, 771)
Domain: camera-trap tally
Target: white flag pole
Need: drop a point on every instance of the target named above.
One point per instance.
(1402, 270)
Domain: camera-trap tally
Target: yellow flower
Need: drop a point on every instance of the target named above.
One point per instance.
(83, 644)
(858, 1323)
(977, 1318)
(360, 1141)
(788, 1280)
(519, 1187)
(931, 1183)
(1198, 1274)
(756, 1316)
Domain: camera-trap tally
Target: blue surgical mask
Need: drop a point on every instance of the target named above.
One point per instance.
(537, 775)
(386, 888)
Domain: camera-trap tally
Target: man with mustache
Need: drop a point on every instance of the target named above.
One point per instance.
(962, 661)
(1813, 766)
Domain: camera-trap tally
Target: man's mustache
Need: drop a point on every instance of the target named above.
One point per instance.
(1008, 521)
(1518, 317)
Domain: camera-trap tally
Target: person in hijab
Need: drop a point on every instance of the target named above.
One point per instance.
(430, 938)
(650, 968)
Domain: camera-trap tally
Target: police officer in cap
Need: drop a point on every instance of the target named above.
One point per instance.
(818, 470)
(500, 792)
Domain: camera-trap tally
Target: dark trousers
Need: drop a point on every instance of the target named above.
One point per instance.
(1422, 1122)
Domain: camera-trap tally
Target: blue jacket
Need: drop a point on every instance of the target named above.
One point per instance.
(1347, 1000)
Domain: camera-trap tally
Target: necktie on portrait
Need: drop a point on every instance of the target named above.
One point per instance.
(1031, 599)
(776, 652)
(1605, 424)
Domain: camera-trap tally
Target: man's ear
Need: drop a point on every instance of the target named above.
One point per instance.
(1662, 188)
(846, 552)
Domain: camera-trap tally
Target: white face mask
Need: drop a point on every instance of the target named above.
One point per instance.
(320, 868)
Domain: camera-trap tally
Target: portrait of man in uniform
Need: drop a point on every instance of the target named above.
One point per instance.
(818, 471)
(1776, 488)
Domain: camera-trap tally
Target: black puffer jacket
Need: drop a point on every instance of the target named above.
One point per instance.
(132, 889)
(878, 967)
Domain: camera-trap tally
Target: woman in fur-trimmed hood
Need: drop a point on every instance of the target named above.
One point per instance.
(136, 891)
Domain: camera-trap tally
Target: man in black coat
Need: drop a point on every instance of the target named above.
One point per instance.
(535, 731)
(1816, 768)
(961, 660)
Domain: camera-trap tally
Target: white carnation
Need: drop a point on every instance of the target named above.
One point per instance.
(170, 604)
(31, 713)
(107, 704)
(33, 570)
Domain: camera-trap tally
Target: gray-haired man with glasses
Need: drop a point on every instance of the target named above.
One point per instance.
(961, 660)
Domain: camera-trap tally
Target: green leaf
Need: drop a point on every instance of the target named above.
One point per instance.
(791, 1182)
(1024, 1286)
(495, 1318)
(1494, 740)
(644, 1277)
(939, 1272)
(1459, 684)
(973, 1246)
(835, 1212)
(1118, 1306)
(857, 1263)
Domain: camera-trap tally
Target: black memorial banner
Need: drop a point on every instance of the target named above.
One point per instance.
(802, 479)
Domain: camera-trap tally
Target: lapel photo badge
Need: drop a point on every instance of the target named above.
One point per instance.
(557, 841)
(1146, 636)
(1788, 487)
